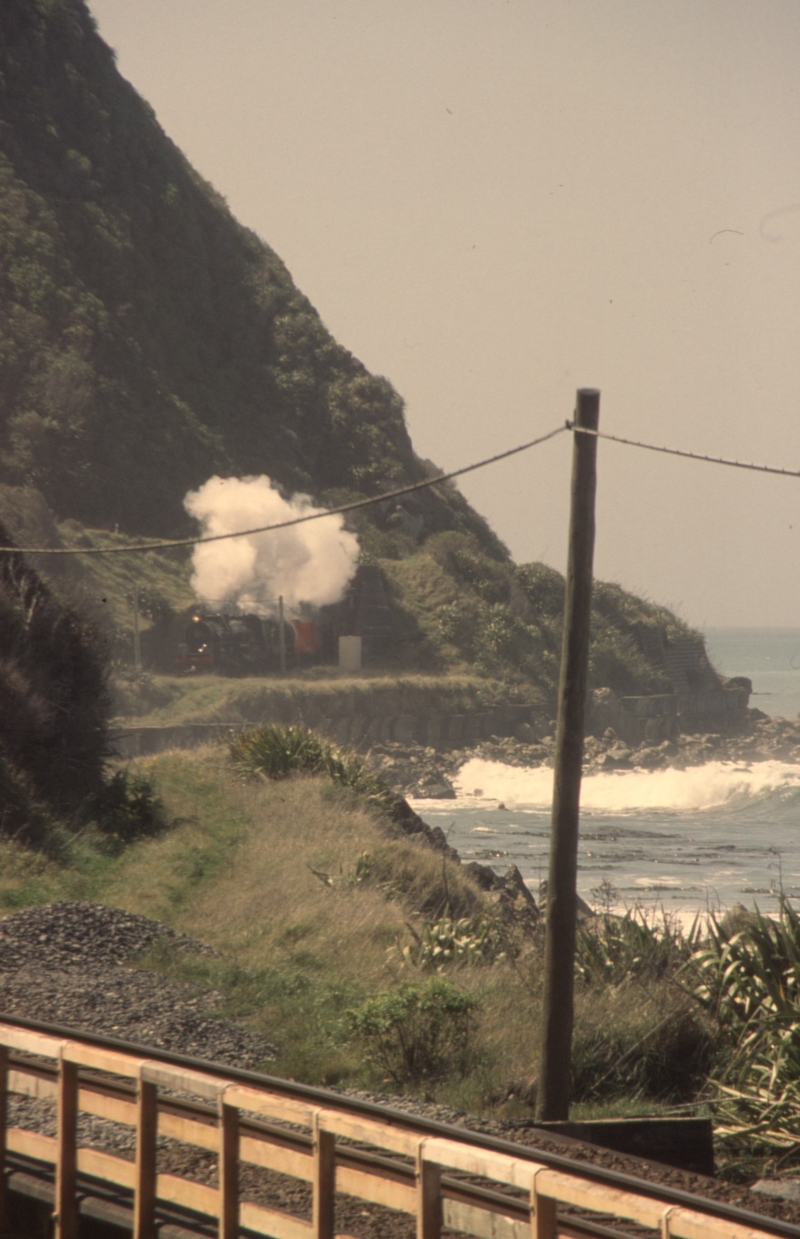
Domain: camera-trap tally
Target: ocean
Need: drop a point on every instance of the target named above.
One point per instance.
(769, 656)
(687, 841)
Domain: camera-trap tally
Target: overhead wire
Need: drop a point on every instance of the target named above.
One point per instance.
(676, 451)
(397, 493)
(201, 539)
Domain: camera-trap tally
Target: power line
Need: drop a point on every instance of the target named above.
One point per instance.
(297, 520)
(676, 451)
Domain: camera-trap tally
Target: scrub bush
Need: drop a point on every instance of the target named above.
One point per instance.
(128, 808)
(747, 975)
(416, 1033)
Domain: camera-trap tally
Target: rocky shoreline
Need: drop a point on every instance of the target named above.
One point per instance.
(427, 774)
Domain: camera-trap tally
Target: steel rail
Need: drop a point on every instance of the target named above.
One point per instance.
(458, 1148)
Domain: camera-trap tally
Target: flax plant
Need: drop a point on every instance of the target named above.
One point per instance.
(748, 978)
(276, 752)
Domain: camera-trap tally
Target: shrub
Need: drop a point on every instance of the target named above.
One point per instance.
(417, 1033)
(277, 752)
(128, 808)
(53, 702)
(544, 587)
(654, 1041)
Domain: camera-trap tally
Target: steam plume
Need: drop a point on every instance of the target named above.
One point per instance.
(307, 563)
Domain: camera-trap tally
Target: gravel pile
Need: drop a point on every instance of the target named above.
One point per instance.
(62, 963)
(78, 934)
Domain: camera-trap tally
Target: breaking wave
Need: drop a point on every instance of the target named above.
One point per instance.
(711, 786)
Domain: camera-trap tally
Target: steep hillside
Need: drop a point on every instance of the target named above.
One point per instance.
(147, 340)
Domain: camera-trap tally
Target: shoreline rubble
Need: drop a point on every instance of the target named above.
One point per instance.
(421, 773)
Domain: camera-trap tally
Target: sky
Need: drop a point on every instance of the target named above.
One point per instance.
(496, 202)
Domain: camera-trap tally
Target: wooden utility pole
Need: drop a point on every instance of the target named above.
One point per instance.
(137, 646)
(281, 635)
(553, 1092)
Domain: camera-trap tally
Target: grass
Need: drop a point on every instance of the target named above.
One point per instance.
(28, 877)
(311, 901)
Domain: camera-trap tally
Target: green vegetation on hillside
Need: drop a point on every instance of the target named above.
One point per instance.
(464, 609)
(147, 340)
(464, 623)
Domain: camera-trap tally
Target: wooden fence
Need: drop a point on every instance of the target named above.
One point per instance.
(441, 1182)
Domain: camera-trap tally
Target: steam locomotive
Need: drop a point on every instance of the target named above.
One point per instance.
(246, 644)
(250, 645)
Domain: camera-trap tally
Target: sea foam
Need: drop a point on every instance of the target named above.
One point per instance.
(709, 786)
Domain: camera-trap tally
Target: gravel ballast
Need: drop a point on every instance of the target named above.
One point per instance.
(64, 963)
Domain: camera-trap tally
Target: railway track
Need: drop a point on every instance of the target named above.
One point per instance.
(424, 1178)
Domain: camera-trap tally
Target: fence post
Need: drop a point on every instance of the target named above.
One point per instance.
(3, 1126)
(429, 1197)
(553, 1091)
(323, 1184)
(228, 1171)
(66, 1210)
(544, 1213)
(144, 1201)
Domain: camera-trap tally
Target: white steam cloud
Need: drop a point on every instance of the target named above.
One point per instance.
(309, 563)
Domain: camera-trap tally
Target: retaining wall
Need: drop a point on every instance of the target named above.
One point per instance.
(439, 731)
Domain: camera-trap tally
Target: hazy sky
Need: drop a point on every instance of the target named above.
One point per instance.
(493, 202)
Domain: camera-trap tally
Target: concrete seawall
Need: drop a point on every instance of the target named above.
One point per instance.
(362, 720)
(439, 731)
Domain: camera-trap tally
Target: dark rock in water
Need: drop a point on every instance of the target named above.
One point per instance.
(433, 787)
(584, 910)
(516, 904)
(737, 919)
(515, 886)
(618, 758)
(484, 876)
(411, 823)
(514, 901)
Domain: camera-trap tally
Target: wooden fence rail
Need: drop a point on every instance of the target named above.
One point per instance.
(415, 1174)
